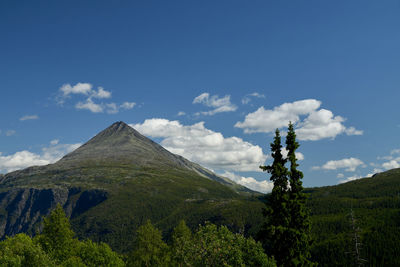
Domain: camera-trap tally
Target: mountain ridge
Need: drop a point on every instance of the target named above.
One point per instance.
(115, 182)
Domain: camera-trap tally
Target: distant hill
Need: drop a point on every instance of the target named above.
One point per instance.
(375, 205)
(113, 183)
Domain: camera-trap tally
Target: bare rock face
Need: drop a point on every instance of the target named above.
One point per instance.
(22, 210)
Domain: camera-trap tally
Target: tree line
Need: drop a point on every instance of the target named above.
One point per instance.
(57, 245)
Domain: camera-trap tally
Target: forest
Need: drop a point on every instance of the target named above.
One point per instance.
(57, 245)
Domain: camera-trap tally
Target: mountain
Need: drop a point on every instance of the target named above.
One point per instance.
(115, 182)
(368, 208)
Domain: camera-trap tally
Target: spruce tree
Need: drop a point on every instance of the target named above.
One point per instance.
(275, 231)
(285, 233)
(299, 218)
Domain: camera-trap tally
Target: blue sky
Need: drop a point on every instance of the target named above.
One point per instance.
(207, 79)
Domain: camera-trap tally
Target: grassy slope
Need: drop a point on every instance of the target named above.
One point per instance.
(164, 196)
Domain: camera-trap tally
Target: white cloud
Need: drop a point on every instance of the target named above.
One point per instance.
(246, 99)
(85, 89)
(29, 117)
(249, 182)
(353, 131)
(204, 146)
(395, 152)
(299, 155)
(318, 123)
(79, 88)
(101, 93)
(352, 178)
(127, 105)
(91, 94)
(54, 142)
(392, 164)
(90, 105)
(181, 113)
(355, 177)
(263, 120)
(349, 164)
(222, 104)
(112, 108)
(23, 159)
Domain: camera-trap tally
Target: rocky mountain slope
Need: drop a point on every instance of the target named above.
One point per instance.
(117, 180)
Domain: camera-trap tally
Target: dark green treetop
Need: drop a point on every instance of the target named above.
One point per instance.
(275, 231)
(299, 214)
(285, 233)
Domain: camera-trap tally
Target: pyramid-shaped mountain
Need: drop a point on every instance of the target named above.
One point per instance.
(113, 183)
(121, 144)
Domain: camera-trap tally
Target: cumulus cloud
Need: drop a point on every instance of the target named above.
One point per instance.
(112, 108)
(349, 164)
(317, 124)
(353, 131)
(23, 159)
(351, 178)
(299, 155)
(263, 186)
(29, 117)
(127, 105)
(90, 105)
(218, 104)
(100, 93)
(247, 98)
(356, 177)
(392, 160)
(79, 88)
(263, 120)
(181, 113)
(204, 146)
(86, 89)
(392, 164)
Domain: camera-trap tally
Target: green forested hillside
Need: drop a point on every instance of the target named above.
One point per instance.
(375, 205)
(115, 182)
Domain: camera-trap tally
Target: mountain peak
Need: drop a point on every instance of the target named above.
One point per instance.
(122, 144)
(119, 126)
(116, 128)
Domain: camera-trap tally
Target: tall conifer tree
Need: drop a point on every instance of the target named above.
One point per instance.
(275, 231)
(299, 218)
(285, 233)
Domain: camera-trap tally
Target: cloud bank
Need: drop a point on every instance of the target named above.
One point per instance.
(348, 164)
(311, 122)
(24, 159)
(204, 146)
(249, 182)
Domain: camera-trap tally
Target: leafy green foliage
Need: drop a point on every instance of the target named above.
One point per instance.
(20, 250)
(215, 246)
(56, 246)
(150, 249)
(181, 245)
(98, 254)
(57, 238)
